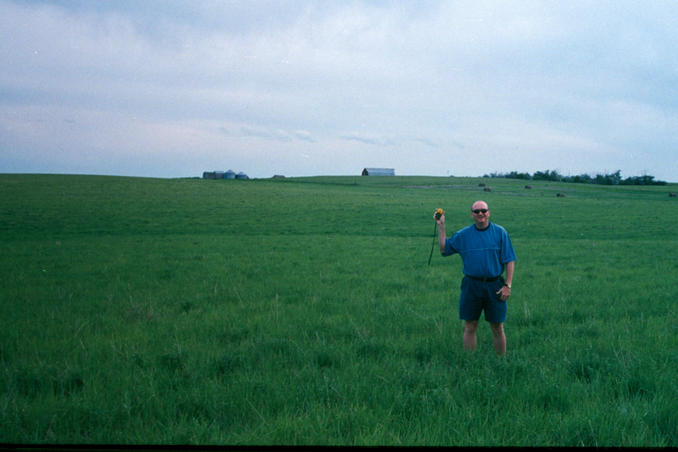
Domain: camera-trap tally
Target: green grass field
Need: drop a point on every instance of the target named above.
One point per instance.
(302, 311)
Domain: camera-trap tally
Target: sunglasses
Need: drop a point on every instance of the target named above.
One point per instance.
(477, 211)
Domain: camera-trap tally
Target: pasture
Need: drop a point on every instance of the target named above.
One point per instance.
(302, 311)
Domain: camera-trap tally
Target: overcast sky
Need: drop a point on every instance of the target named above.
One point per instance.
(167, 88)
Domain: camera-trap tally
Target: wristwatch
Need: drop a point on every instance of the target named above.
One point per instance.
(507, 285)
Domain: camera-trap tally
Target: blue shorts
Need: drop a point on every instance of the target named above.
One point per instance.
(477, 296)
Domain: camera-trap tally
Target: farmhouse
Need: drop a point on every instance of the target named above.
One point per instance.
(378, 172)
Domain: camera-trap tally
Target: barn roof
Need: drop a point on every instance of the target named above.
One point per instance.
(378, 172)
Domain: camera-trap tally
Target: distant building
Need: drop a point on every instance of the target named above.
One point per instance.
(378, 172)
(241, 175)
(230, 174)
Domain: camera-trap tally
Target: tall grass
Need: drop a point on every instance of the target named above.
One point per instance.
(302, 311)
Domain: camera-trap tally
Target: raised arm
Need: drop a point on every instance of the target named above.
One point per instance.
(441, 233)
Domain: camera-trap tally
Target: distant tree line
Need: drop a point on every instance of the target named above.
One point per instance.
(600, 179)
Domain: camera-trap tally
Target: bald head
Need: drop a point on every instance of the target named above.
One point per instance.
(479, 205)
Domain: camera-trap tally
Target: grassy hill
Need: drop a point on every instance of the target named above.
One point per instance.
(303, 311)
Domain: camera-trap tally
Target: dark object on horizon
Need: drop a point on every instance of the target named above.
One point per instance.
(230, 174)
(378, 172)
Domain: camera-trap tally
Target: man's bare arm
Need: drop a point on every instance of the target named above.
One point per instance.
(441, 233)
(510, 267)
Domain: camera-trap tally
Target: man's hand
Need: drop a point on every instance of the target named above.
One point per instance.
(504, 293)
(439, 216)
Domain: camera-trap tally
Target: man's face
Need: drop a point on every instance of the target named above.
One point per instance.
(480, 214)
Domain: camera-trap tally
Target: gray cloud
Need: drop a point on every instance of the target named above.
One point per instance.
(373, 141)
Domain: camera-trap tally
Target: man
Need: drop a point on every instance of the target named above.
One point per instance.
(485, 249)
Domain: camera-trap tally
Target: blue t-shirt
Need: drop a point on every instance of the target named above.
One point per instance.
(483, 252)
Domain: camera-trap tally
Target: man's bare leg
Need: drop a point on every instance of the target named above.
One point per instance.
(470, 339)
(499, 338)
